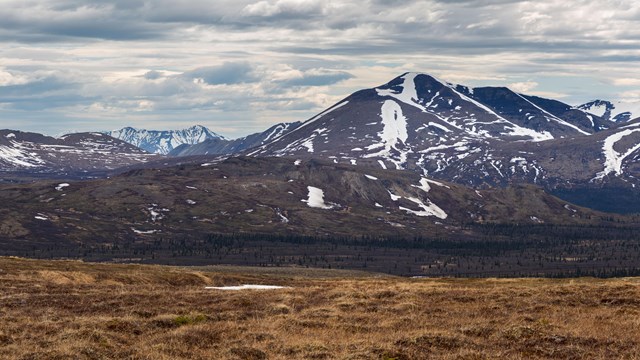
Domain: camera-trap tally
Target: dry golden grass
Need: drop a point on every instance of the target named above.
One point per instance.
(74, 310)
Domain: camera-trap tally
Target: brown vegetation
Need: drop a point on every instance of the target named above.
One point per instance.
(75, 310)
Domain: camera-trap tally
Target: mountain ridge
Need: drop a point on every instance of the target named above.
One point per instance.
(164, 141)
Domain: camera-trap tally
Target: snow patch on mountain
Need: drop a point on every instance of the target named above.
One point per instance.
(408, 94)
(60, 187)
(393, 133)
(19, 157)
(316, 198)
(616, 111)
(429, 209)
(613, 159)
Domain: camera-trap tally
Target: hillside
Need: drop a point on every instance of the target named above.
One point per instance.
(69, 309)
(284, 211)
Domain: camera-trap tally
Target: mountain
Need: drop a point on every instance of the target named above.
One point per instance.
(612, 111)
(163, 142)
(79, 154)
(401, 122)
(269, 196)
(225, 146)
(479, 137)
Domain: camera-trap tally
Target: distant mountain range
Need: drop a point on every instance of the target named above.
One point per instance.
(478, 137)
(164, 141)
(224, 146)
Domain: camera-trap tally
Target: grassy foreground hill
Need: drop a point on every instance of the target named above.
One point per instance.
(76, 310)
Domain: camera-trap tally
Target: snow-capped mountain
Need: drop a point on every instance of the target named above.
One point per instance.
(480, 137)
(418, 121)
(164, 141)
(618, 111)
(225, 146)
(73, 153)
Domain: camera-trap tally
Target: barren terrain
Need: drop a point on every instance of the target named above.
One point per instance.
(76, 310)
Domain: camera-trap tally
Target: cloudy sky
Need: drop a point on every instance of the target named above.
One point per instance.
(238, 66)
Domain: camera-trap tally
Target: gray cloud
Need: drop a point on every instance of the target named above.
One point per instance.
(153, 75)
(257, 61)
(227, 73)
(317, 78)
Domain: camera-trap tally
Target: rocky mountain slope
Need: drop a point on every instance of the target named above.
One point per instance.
(81, 153)
(164, 141)
(225, 146)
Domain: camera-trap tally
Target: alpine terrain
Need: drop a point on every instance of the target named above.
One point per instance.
(73, 155)
(164, 141)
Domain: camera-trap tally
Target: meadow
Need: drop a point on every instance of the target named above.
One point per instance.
(78, 310)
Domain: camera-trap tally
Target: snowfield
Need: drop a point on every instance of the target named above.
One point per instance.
(613, 159)
(316, 198)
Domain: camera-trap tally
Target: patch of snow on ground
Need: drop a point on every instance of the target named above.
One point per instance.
(429, 209)
(370, 177)
(395, 124)
(632, 108)
(316, 198)
(297, 162)
(570, 208)
(534, 135)
(283, 218)
(424, 185)
(394, 197)
(41, 217)
(191, 202)
(598, 110)
(378, 205)
(61, 186)
(613, 159)
(382, 165)
(246, 287)
(439, 127)
(141, 232)
(408, 95)
(17, 157)
(438, 183)
(393, 133)
(156, 214)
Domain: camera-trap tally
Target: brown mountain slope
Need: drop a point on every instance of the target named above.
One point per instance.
(267, 195)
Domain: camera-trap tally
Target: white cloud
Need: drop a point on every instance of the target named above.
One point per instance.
(523, 87)
(626, 82)
(286, 7)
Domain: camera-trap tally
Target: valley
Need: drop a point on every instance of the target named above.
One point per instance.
(416, 177)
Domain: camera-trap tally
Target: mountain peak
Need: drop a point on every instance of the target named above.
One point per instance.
(164, 141)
